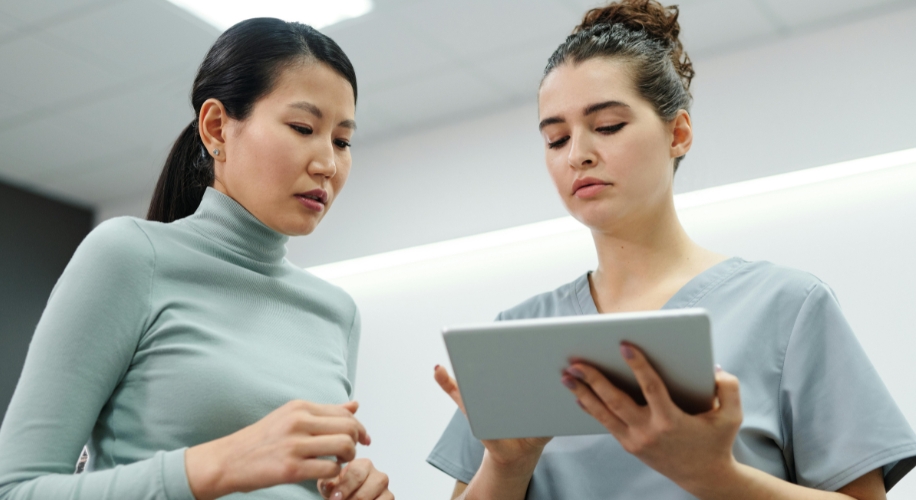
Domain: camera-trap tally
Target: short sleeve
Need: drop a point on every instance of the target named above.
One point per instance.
(82, 347)
(458, 453)
(839, 420)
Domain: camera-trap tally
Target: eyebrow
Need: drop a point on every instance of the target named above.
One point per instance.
(591, 109)
(311, 108)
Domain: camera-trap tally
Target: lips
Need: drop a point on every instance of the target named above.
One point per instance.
(588, 184)
(319, 195)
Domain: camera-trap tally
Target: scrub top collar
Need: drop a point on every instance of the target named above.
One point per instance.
(688, 296)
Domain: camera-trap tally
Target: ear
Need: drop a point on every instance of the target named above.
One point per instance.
(681, 134)
(212, 124)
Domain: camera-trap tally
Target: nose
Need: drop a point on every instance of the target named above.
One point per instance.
(323, 161)
(581, 151)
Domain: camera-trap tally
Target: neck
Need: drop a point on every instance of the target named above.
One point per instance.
(644, 260)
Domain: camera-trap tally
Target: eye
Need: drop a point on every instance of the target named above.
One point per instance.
(558, 143)
(342, 143)
(611, 129)
(302, 129)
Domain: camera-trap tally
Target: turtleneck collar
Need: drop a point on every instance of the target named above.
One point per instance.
(225, 221)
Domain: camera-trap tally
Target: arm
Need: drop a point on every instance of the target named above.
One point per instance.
(694, 451)
(508, 464)
(82, 347)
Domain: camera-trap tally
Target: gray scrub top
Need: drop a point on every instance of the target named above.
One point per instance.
(816, 413)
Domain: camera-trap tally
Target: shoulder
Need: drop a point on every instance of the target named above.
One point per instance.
(779, 281)
(332, 293)
(119, 243)
(565, 300)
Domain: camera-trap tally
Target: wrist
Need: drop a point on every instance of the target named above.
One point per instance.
(205, 471)
(722, 481)
(517, 466)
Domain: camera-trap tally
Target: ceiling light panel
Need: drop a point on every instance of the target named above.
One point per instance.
(315, 13)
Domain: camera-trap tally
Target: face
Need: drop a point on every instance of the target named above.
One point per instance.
(608, 152)
(288, 160)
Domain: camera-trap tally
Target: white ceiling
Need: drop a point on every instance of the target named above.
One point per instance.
(93, 92)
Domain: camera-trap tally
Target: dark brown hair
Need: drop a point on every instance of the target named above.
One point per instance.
(643, 33)
(242, 67)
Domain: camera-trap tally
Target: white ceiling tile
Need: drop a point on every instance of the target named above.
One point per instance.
(151, 117)
(797, 13)
(519, 71)
(7, 26)
(717, 24)
(384, 52)
(28, 12)
(11, 106)
(38, 146)
(139, 36)
(40, 74)
(129, 172)
(473, 28)
(446, 96)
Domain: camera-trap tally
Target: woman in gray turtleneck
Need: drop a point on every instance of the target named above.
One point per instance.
(195, 360)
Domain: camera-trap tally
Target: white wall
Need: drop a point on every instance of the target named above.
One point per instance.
(855, 233)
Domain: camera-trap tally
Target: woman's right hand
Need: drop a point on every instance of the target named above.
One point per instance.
(503, 451)
(283, 447)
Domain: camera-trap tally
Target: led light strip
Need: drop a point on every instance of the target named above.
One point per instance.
(568, 224)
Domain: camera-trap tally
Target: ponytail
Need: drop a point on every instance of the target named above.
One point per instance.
(240, 68)
(187, 173)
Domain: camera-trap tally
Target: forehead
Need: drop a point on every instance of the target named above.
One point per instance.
(574, 86)
(313, 82)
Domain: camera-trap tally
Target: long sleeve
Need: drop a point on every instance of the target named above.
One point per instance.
(353, 350)
(83, 346)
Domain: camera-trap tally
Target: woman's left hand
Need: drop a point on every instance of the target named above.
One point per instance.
(691, 450)
(359, 480)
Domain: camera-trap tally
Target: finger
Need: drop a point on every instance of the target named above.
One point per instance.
(326, 486)
(318, 425)
(316, 468)
(328, 410)
(374, 485)
(351, 478)
(593, 405)
(351, 406)
(652, 385)
(336, 445)
(617, 401)
(728, 392)
(449, 386)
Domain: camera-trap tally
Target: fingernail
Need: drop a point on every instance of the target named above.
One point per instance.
(368, 440)
(575, 372)
(718, 367)
(580, 404)
(568, 382)
(626, 351)
(327, 487)
(337, 496)
(436, 368)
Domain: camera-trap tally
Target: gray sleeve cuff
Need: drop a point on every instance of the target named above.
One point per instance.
(174, 477)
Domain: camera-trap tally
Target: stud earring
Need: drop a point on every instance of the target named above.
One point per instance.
(216, 152)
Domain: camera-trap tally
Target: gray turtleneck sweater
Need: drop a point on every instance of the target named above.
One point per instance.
(158, 337)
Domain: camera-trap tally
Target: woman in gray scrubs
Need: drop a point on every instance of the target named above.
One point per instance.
(812, 419)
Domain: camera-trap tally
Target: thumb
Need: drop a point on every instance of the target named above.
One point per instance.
(449, 386)
(326, 486)
(728, 391)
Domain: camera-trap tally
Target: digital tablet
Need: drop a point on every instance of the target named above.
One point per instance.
(509, 371)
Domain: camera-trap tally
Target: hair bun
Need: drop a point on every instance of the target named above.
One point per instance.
(651, 17)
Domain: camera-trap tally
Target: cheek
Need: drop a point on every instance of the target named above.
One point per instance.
(557, 168)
